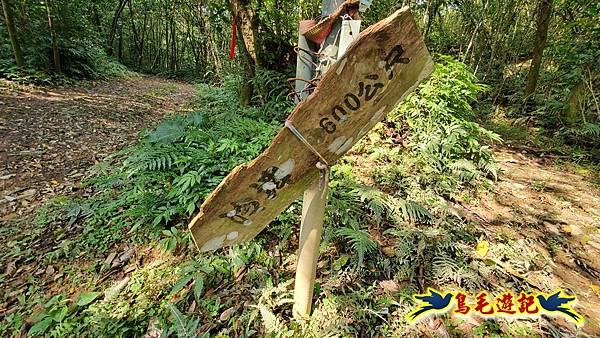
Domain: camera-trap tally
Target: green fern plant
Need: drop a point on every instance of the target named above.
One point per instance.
(445, 147)
(184, 326)
(360, 241)
(354, 207)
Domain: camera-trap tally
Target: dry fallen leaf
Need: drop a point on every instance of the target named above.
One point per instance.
(389, 251)
(9, 217)
(28, 194)
(227, 313)
(115, 289)
(110, 258)
(595, 288)
(390, 285)
(192, 308)
(572, 230)
(10, 267)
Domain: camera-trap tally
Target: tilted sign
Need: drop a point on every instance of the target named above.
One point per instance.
(385, 63)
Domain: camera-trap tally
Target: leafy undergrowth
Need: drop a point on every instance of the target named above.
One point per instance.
(121, 263)
(103, 69)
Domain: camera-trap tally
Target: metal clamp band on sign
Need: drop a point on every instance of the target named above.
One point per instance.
(322, 165)
(297, 133)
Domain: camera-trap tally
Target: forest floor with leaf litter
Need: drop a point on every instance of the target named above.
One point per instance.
(549, 212)
(51, 136)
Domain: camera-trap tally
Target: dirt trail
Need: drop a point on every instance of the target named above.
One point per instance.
(550, 216)
(49, 137)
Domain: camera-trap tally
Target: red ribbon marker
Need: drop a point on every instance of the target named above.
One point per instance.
(233, 37)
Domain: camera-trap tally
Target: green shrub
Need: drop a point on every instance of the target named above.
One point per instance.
(443, 146)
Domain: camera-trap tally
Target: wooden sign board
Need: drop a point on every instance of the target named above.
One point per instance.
(384, 64)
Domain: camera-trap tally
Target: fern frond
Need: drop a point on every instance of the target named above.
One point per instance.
(402, 210)
(185, 327)
(376, 200)
(359, 240)
(396, 208)
(591, 130)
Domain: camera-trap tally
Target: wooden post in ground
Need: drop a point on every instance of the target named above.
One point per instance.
(311, 229)
(311, 225)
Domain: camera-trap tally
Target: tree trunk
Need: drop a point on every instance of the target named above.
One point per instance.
(144, 31)
(575, 103)
(173, 46)
(543, 20)
(472, 42)
(113, 27)
(136, 38)
(432, 12)
(12, 33)
(55, 51)
(211, 45)
(248, 23)
(243, 17)
(166, 59)
(96, 17)
(120, 43)
(247, 89)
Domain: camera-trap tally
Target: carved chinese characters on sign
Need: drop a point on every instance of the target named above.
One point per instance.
(274, 178)
(242, 211)
(270, 181)
(367, 91)
(394, 57)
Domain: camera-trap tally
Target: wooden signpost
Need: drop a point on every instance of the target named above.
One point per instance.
(341, 34)
(384, 64)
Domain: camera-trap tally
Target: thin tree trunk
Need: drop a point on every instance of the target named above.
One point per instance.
(173, 46)
(142, 42)
(466, 58)
(96, 17)
(166, 65)
(113, 27)
(431, 14)
(575, 103)
(12, 33)
(211, 46)
(136, 38)
(121, 43)
(248, 23)
(590, 83)
(544, 11)
(55, 51)
(506, 20)
(159, 50)
(242, 17)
